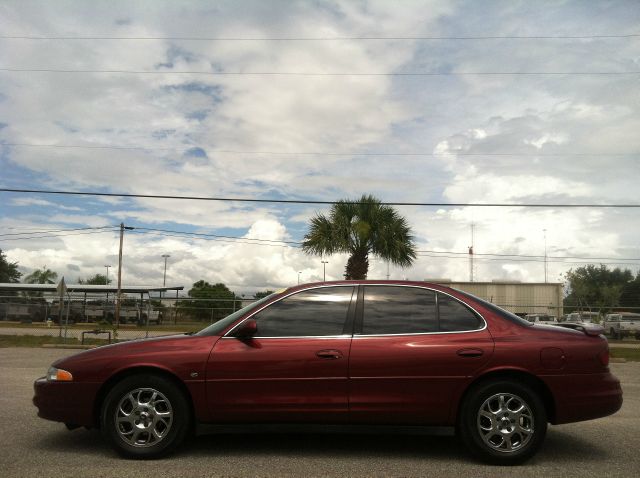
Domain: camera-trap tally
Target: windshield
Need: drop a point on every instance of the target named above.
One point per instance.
(217, 327)
(505, 314)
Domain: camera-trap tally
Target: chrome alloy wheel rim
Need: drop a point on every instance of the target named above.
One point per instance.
(505, 422)
(143, 417)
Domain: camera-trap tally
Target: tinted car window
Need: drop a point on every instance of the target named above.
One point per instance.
(455, 316)
(398, 310)
(310, 313)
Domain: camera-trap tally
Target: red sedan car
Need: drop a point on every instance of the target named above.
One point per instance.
(346, 353)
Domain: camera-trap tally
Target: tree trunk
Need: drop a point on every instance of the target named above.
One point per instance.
(357, 266)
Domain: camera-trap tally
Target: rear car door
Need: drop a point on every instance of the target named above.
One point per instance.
(413, 348)
(294, 368)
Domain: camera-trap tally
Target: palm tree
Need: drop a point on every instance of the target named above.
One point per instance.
(42, 276)
(361, 228)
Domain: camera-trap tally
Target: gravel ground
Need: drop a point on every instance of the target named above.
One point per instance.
(32, 447)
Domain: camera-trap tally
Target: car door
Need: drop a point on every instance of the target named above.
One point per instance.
(293, 369)
(412, 350)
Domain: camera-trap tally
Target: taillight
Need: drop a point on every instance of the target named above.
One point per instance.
(604, 357)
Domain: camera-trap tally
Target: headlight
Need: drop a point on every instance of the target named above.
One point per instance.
(59, 375)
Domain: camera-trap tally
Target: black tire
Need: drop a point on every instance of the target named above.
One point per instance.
(487, 440)
(170, 430)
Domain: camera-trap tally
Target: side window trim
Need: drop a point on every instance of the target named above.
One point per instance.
(358, 330)
(229, 334)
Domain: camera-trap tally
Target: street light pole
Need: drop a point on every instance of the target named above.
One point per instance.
(107, 266)
(324, 270)
(164, 277)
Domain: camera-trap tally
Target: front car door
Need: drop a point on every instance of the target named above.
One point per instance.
(295, 367)
(412, 350)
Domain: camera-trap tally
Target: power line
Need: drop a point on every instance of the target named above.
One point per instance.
(212, 237)
(301, 201)
(324, 39)
(503, 260)
(215, 235)
(55, 230)
(532, 256)
(56, 235)
(308, 153)
(321, 74)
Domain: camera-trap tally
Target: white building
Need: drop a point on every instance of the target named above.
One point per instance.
(521, 298)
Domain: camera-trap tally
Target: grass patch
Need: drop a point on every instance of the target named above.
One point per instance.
(40, 340)
(631, 355)
(184, 327)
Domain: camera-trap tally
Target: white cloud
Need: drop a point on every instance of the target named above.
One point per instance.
(186, 133)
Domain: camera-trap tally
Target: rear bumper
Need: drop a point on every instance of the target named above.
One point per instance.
(584, 396)
(66, 402)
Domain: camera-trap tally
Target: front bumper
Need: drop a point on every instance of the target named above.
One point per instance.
(582, 397)
(67, 402)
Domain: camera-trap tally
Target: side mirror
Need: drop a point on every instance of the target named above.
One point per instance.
(247, 329)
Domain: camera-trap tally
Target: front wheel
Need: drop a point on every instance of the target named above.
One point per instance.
(145, 416)
(502, 422)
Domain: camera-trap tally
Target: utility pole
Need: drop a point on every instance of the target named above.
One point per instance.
(471, 255)
(119, 293)
(107, 266)
(324, 270)
(545, 255)
(388, 270)
(299, 277)
(164, 277)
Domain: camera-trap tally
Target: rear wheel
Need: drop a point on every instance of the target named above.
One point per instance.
(145, 416)
(502, 422)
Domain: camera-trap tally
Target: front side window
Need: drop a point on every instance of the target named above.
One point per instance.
(311, 313)
(398, 310)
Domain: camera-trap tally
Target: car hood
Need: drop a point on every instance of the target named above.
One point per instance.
(165, 352)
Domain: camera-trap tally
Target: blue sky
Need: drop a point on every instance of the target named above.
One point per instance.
(573, 137)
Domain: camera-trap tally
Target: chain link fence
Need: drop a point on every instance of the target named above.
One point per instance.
(92, 319)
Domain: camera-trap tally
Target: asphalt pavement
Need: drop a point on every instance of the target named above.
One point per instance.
(32, 447)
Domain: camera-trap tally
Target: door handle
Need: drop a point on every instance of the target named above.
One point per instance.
(329, 354)
(470, 352)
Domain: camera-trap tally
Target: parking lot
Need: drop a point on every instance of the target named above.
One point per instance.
(34, 447)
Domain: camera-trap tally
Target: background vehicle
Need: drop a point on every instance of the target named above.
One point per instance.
(583, 317)
(541, 318)
(27, 312)
(622, 324)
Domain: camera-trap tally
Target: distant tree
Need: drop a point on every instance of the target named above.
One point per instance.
(630, 296)
(8, 270)
(596, 287)
(98, 279)
(42, 276)
(209, 301)
(260, 295)
(360, 228)
(8, 273)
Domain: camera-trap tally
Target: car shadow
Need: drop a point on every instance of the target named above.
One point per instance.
(559, 447)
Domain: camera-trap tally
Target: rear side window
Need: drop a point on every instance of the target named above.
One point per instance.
(311, 313)
(390, 310)
(399, 310)
(456, 317)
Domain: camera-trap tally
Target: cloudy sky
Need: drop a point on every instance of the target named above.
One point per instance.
(318, 100)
